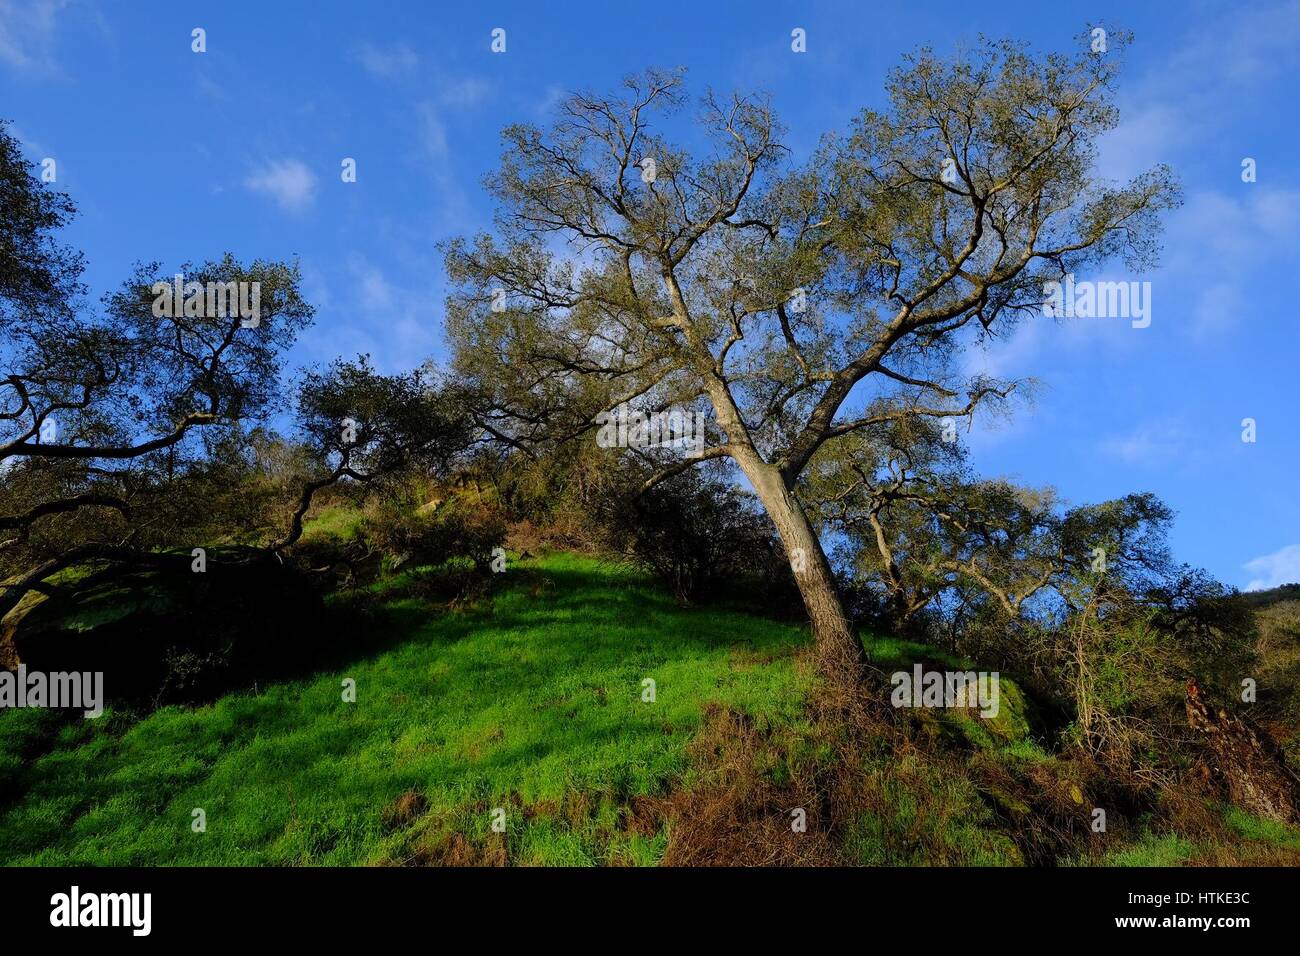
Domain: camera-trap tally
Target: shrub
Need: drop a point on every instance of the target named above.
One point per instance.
(698, 533)
(408, 532)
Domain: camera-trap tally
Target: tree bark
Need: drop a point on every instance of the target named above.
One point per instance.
(841, 658)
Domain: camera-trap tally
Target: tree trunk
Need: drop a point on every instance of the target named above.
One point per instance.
(840, 655)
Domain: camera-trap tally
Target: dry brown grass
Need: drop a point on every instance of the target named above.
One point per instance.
(405, 808)
(453, 849)
(740, 815)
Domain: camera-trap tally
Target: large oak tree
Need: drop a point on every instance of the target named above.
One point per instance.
(800, 302)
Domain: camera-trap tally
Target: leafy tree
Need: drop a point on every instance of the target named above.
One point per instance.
(133, 431)
(1084, 601)
(101, 410)
(696, 531)
(800, 303)
(924, 530)
(363, 426)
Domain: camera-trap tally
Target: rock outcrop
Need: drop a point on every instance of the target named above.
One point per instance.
(1249, 765)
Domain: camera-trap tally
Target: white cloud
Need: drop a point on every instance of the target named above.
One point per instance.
(1218, 308)
(1148, 444)
(1037, 340)
(1179, 106)
(1011, 354)
(399, 61)
(315, 285)
(464, 93)
(288, 181)
(210, 88)
(431, 116)
(400, 323)
(29, 144)
(550, 99)
(1133, 448)
(1194, 91)
(1247, 44)
(433, 132)
(1280, 567)
(27, 30)
(1240, 226)
(375, 292)
(1239, 235)
(1147, 135)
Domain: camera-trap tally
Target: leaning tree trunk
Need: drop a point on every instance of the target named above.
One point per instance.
(840, 655)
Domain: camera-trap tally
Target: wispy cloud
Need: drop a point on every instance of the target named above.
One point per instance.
(27, 34)
(31, 145)
(390, 63)
(1010, 354)
(1240, 234)
(1195, 90)
(1148, 444)
(1169, 116)
(1272, 570)
(211, 88)
(402, 322)
(374, 292)
(287, 181)
(451, 95)
(464, 93)
(550, 99)
(433, 131)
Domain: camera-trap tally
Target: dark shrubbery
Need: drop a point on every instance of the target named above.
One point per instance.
(165, 634)
(413, 526)
(700, 534)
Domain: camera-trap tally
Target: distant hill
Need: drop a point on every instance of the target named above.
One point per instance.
(1285, 592)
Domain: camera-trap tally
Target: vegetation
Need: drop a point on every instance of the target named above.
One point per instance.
(450, 616)
(770, 293)
(537, 707)
(530, 705)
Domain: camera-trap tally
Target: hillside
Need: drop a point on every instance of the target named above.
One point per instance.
(1271, 596)
(525, 703)
(532, 702)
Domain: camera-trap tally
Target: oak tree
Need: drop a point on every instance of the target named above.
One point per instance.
(799, 302)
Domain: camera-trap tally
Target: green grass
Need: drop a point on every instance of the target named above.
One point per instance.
(533, 703)
(1246, 837)
(341, 522)
(530, 702)
(929, 818)
(1250, 827)
(1011, 725)
(1154, 850)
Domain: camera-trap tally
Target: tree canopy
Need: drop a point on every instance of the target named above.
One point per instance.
(800, 302)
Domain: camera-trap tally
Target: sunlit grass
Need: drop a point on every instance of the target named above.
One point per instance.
(526, 702)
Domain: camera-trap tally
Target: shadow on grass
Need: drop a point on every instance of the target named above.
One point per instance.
(529, 696)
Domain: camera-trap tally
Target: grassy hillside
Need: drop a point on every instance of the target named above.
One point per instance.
(526, 703)
(531, 702)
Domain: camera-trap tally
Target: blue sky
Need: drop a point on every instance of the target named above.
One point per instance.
(174, 155)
